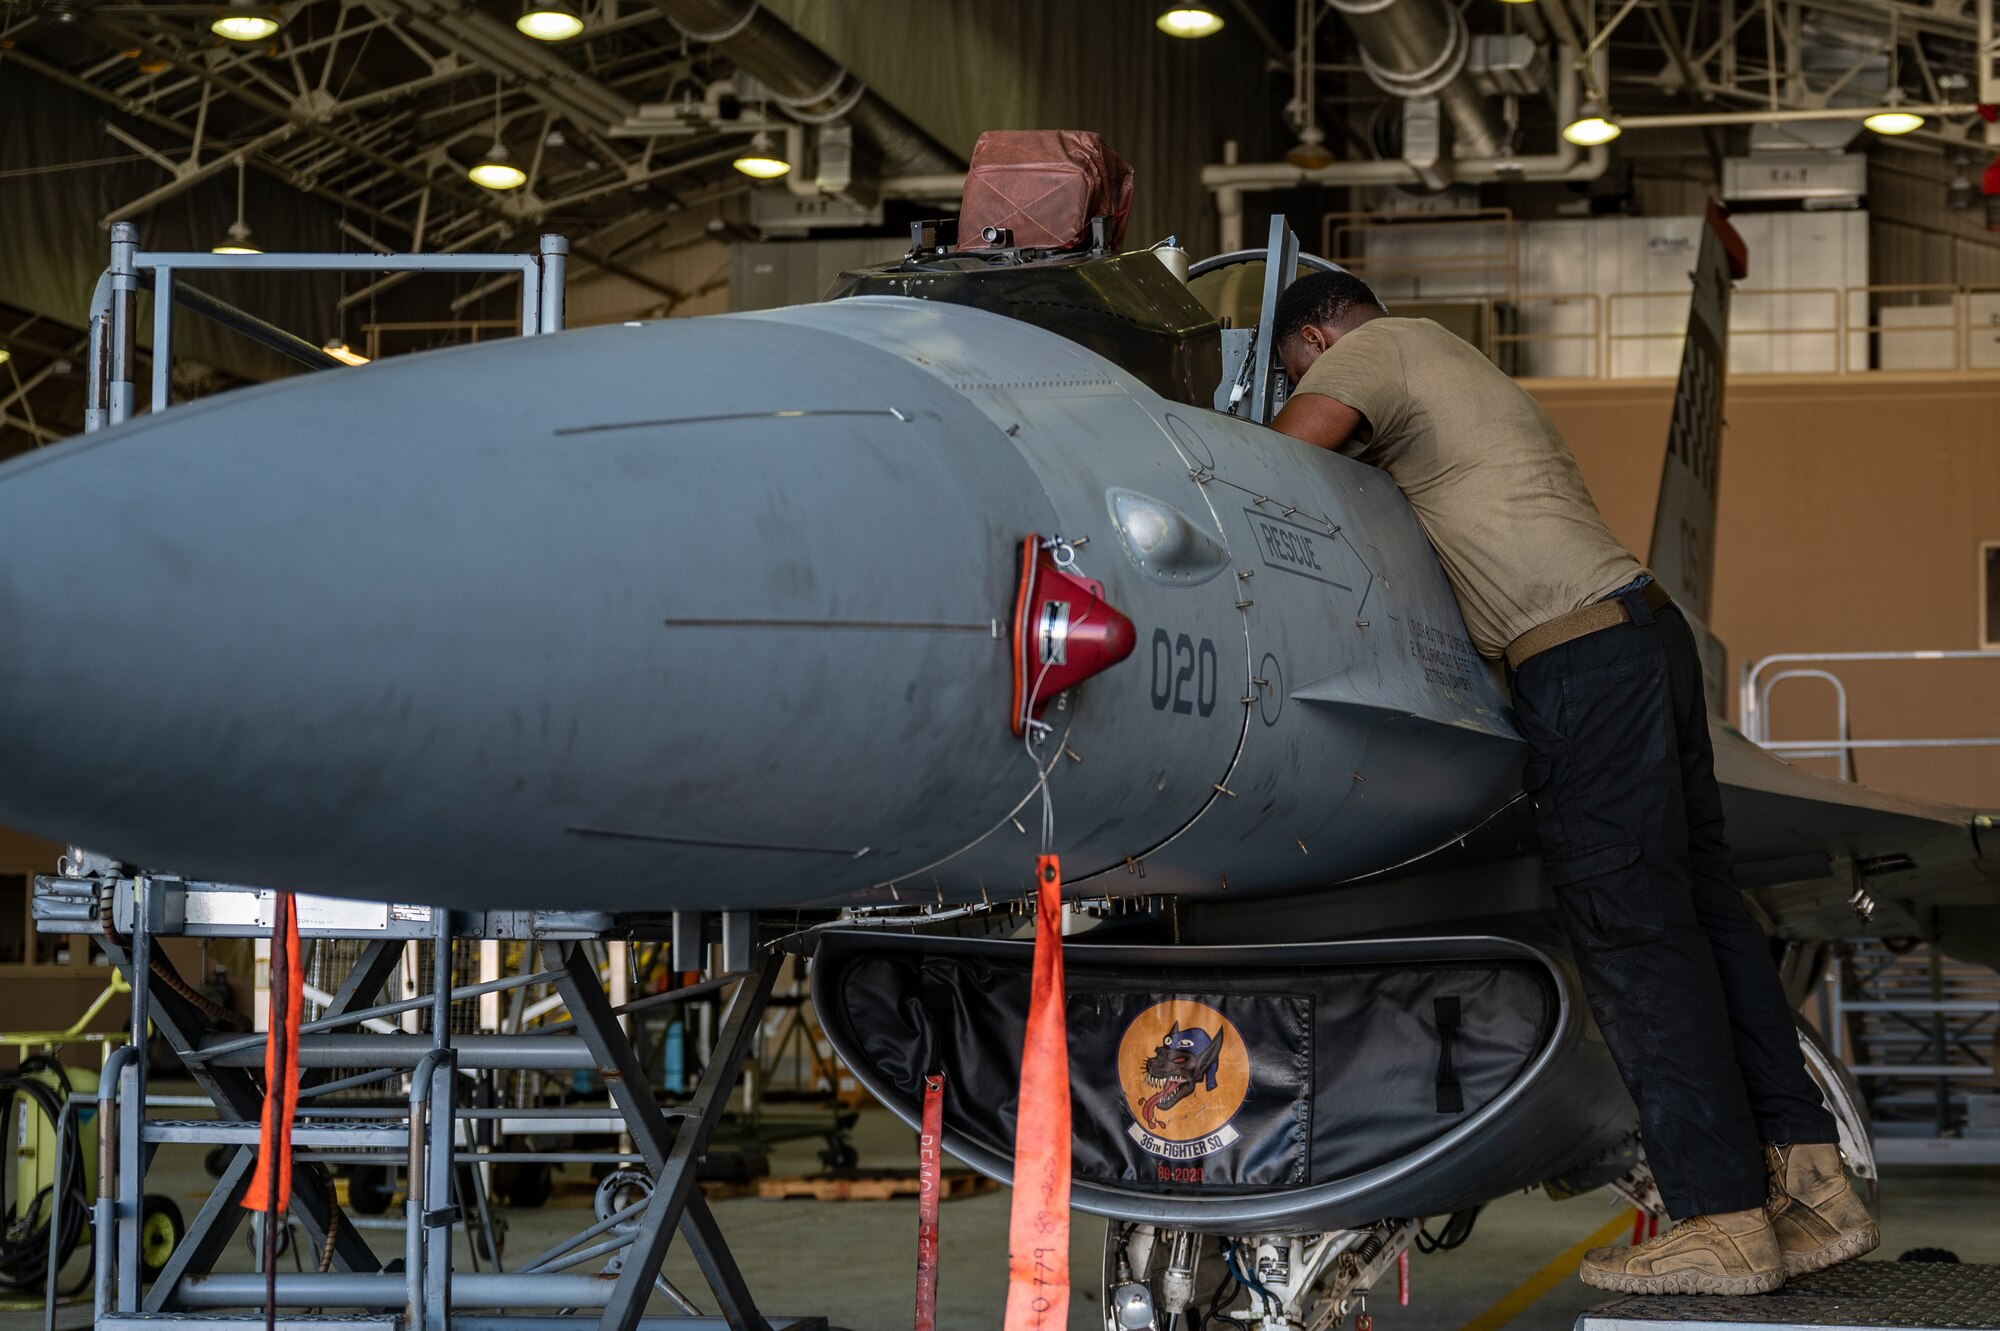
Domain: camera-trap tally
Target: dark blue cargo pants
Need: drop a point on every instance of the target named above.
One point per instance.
(1680, 978)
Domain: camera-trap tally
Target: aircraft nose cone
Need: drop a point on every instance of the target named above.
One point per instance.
(567, 612)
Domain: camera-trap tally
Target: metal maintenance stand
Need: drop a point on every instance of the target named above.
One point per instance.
(434, 1133)
(1860, 1296)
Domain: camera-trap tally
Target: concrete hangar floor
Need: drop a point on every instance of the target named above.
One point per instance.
(853, 1261)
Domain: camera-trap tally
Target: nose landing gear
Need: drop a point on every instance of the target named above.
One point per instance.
(1168, 1279)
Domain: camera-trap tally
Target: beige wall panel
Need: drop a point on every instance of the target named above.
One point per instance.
(1852, 513)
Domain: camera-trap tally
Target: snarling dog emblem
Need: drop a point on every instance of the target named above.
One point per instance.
(1183, 1058)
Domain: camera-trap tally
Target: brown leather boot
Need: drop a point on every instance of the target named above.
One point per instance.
(1814, 1212)
(1734, 1252)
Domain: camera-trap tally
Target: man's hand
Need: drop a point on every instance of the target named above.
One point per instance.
(1320, 420)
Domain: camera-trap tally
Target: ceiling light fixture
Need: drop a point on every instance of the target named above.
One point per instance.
(1184, 20)
(1891, 120)
(1310, 153)
(238, 239)
(761, 161)
(496, 170)
(337, 348)
(244, 21)
(549, 21)
(1591, 129)
(1894, 122)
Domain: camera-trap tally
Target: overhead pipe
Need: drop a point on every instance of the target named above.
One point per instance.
(1417, 48)
(1231, 180)
(806, 82)
(1697, 119)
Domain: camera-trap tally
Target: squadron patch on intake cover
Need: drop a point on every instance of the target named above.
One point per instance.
(1185, 1073)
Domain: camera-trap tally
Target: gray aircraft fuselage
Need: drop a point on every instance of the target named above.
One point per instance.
(713, 613)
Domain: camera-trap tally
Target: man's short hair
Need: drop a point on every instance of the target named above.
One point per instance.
(1323, 300)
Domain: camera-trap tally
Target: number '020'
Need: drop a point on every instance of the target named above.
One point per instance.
(1178, 664)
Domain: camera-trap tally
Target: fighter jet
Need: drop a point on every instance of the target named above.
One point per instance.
(858, 605)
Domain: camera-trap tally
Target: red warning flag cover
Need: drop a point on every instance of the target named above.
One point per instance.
(1038, 1227)
(281, 1064)
(930, 1175)
(1044, 185)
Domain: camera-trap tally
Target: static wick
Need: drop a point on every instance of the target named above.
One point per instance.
(1244, 605)
(1361, 623)
(1073, 754)
(1225, 882)
(1017, 824)
(1246, 573)
(1137, 866)
(894, 895)
(1359, 777)
(1227, 791)
(1302, 845)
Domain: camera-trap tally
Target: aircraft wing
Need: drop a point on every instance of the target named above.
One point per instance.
(1830, 859)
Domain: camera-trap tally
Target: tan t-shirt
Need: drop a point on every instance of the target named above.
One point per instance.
(1495, 486)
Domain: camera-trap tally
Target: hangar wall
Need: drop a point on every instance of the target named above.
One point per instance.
(1852, 517)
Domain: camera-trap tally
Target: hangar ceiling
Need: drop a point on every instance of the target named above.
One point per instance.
(354, 124)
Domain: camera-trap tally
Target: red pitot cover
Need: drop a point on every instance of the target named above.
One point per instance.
(1044, 185)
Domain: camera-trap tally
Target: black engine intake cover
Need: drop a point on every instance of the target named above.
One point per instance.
(1300, 1086)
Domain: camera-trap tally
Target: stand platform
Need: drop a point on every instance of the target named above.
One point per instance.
(1908, 1296)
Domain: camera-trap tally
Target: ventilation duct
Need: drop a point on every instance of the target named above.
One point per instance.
(807, 83)
(1415, 49)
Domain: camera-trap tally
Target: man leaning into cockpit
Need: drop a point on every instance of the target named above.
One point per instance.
(1607, 692)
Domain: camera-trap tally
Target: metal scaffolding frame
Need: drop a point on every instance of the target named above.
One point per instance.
(433, 1134)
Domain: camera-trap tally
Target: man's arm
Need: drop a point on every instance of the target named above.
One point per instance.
(1320, 420)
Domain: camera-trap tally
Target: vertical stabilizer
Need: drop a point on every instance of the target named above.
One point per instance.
(1683, 553)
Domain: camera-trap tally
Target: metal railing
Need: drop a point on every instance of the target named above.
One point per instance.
(1590, 338)
(1475, 257)
(1345, 237)
(1766, 673)
(111, 392)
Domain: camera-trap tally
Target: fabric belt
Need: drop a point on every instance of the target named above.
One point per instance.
(1590, 619)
